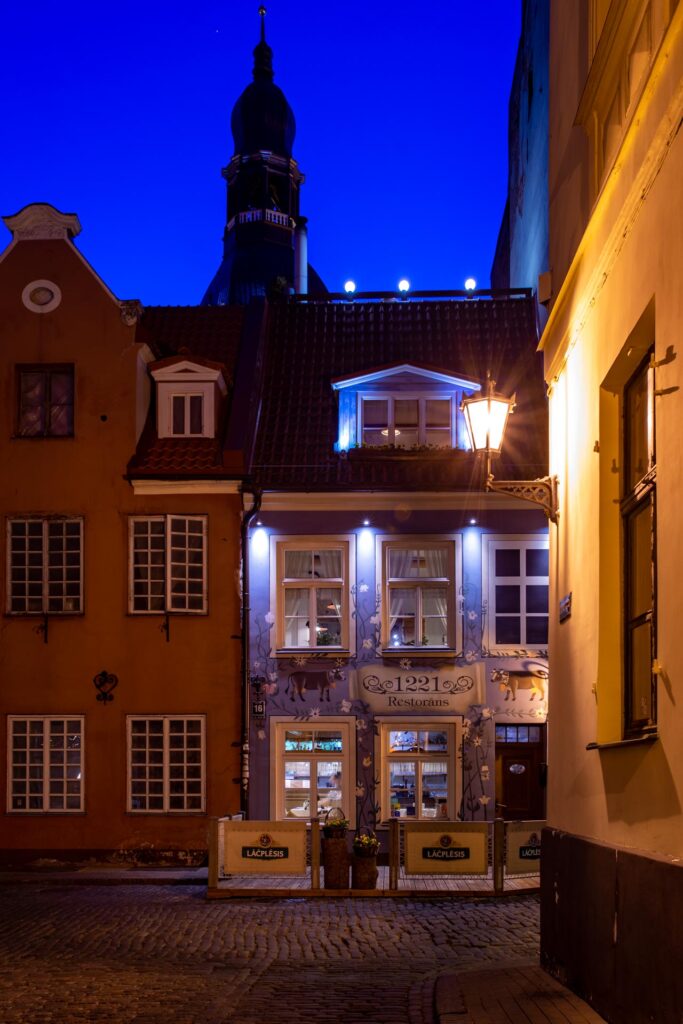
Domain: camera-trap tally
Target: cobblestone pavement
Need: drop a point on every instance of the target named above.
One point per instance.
(70, 955)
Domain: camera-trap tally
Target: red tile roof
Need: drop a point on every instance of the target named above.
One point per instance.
(208, 333)
(312, 344)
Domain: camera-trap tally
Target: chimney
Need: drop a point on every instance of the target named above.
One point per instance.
(301, 256)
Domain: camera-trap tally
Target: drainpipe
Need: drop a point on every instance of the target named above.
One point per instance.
(246, 682)
(301, 256)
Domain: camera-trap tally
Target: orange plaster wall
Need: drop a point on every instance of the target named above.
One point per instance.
(197, 672)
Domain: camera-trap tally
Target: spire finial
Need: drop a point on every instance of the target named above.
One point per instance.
(263, 55)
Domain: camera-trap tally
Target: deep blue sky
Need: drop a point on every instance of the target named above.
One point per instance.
(120, 113)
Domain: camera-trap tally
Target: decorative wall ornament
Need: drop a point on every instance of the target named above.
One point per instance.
(131, 311)
(105, 682)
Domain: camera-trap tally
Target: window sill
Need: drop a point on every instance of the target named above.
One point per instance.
(419, 653)
(312, 652)
(634, 741)
(394, 452)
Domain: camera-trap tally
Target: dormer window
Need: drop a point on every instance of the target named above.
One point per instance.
(188, 414)
(402, 406)
(188, 396)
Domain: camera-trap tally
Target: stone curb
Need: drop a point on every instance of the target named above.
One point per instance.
(116, 876)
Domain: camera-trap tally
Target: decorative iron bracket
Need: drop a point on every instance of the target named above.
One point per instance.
(542, 491)
(105, 682)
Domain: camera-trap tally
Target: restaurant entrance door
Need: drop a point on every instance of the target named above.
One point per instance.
(520, 772)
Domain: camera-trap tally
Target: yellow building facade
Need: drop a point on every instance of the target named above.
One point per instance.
(613, 882)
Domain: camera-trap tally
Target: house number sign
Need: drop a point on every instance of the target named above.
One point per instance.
(420, 688)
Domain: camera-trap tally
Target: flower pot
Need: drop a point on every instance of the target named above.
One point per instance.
(330, 832)
(364, 871)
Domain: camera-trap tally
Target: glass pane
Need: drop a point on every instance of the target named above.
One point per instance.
(508, 629)
(328, 617)
(297, 789)
(295, 740)
(297, 632)
(375, 422)
(405, 412)
(537, 562)
(328, 742)
(522, 734)
(500, 734)
(196, 414)
(434, 742)
(511, 733)
(327, 565)
(434, 617)
(536, 598)
(402, 741)
(534, 734)
(437, 412)
(640, 675)
(402, 789)
(434, 789)
(507, 599)
(537, 629)
(178, 414)
(637, 427)
(406, 438)
(640, 586)
(402, 617)
(329, 786)
(507, 562)
(406, 563)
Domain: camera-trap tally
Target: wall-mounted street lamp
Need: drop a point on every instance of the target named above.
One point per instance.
(486, 415)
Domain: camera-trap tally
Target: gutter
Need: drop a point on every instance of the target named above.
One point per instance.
(247, 517)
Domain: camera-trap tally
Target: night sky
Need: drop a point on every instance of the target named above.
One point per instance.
(121, 113)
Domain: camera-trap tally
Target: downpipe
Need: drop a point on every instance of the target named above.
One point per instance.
(245, 634)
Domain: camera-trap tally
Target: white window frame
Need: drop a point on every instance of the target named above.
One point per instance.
(47, 766)
(45, 567)
(390, 723)
(521, 542)
(279, 725)
(167, 609)
(421, 397)
(166, 780)
(453, 542)
(184, 377)
(280, 583)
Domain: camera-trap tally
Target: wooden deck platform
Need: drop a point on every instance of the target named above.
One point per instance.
(299, 886)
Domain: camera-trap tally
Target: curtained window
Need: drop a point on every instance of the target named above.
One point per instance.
(313, 595)
(419, 595)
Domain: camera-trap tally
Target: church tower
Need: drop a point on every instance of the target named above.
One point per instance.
(264, 243)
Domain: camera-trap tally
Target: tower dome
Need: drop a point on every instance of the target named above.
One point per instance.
(262, 119)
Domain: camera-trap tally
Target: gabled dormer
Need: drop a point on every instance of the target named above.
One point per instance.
(189, 393)
(402, 405)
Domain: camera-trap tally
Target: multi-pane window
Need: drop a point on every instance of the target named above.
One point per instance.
(46, 401)
(406, 421)
(419, 594)
(45, 764)
(418, 769)
(45, 566)
(167, 564)
(638, 535)
(518, 734)
(166, 764)
(517, 593)
(187, 415)
(313, 594)
(314, 769)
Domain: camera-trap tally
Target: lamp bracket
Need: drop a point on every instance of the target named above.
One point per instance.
(542, 491)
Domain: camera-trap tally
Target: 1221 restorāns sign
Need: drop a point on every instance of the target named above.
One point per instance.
(387, 688)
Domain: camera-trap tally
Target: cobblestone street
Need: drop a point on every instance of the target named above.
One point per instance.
(157, 954)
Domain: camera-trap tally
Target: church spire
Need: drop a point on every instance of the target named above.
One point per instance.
(263, 55)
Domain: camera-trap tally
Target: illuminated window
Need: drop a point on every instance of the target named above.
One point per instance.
(407, 421)
(166, 764)
(45, 404)
(313, 594)
(639, 549)
(516, 590)
(418, 762)
(419, 593)
(45, 764)
(45, 560)
(313, 765)
(167, 571)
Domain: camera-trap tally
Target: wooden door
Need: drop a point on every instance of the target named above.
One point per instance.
(520, 780)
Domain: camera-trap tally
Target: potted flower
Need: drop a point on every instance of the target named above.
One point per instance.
(335, 828)
(364, 864)
(335, 851)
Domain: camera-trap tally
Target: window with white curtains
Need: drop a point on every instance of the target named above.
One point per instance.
(313, 594)
(419, 593)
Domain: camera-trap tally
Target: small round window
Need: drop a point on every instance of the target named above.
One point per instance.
(517, 769)
(41, 296)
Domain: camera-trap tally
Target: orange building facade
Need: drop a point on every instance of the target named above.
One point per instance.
(119, 648)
